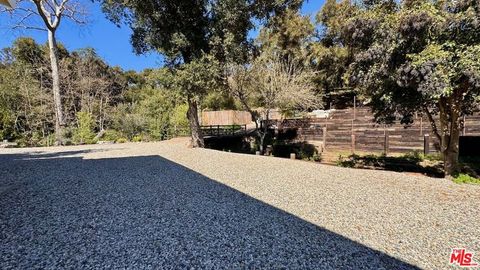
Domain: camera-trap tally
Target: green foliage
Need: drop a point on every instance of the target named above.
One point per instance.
(220, 28)
(415, 156)
(466, 179)
(432, 157)
(347, 162)
(415, 56)
(217, 101)
(418, 56)
(111, 135)
(303, 151)
(290, 32)
(121, 140)
(26, 111)
(138, 138)
(128, 105)
(410, 162)
(84, 133)
(128, 121)
(198, 77)
(179, 124)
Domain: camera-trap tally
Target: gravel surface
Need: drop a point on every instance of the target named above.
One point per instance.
(163, 205)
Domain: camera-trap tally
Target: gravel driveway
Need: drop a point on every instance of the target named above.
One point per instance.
(162, 205)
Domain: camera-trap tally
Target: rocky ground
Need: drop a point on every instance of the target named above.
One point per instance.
(163, 205)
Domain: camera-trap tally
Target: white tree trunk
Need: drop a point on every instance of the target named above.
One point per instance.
(59, 120)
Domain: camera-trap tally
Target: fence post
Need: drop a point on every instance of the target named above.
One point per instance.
(353, 143)
(421, 126)
(325, 137)
(293, 156)
(218, 130)
(387, 143)
(426, 144)
(354, 107)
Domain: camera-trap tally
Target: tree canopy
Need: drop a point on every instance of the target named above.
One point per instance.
(418, 56)
(189, 32)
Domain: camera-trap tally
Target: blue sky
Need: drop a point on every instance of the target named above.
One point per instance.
(110, 42)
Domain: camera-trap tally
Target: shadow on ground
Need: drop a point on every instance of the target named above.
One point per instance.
(149, 212)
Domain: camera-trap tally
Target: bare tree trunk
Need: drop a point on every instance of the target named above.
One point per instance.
(450, 152)
(264, 131)
(450, 137)
(192, 114)
(262, 143)
(59, 120)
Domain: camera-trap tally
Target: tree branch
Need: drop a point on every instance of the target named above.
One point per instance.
(44, 14)
(432, 123)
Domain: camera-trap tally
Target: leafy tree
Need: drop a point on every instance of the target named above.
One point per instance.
(272, 82)
(26, 109)
(186, 32)
(290, 34)
(419, 56)
(48, 14)
(84, 132)
(330, 56)
(90, 85)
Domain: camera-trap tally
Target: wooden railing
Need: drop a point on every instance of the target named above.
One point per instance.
(224, 130)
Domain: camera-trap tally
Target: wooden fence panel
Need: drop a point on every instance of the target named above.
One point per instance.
(212, 118)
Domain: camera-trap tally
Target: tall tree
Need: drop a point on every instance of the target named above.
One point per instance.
(419, 56)
(26, 111)
(272, 82)
(185, 31)
(47, 15)
(330, 55)
(290, 34)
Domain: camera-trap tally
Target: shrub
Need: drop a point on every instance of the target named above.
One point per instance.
(121, 140)
(316, 158)
(414, 156)
(303, 150)
(84, 132)
(466, 179)
(137, 138)
(111, 135)
(433, 157)
(347, 162)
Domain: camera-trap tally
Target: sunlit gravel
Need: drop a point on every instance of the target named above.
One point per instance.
(163, 205)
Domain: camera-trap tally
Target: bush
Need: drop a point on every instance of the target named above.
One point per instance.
(137, 138)
(111, 135)
(84, 134)
(347, 162)
(466, 179)
(121, 140)
(414, 156)
(433, 157)
(303, 151)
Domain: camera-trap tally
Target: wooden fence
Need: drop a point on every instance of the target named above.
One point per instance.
(222, 118)
(355, 130)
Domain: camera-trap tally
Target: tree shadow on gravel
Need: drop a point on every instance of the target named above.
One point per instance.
(56, 155)
(149, 212)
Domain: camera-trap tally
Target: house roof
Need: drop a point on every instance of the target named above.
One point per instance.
(8, 3)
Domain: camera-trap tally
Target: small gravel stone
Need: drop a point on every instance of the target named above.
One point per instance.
(163, 205)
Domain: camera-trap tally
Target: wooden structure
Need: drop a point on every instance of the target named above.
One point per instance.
(224, 130)
(223, 118)
(8, 3)
(355, 130)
